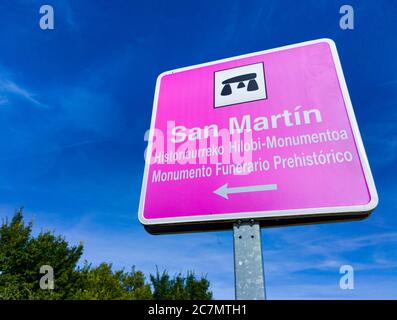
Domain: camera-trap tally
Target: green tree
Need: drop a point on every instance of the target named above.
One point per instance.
(101, 283)
(22, 255)
(180, 287)
(134, 283)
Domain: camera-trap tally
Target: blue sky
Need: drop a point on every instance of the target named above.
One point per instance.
(73, 115)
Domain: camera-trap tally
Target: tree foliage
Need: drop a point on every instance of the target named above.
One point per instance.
(22, 255)
(179, 287)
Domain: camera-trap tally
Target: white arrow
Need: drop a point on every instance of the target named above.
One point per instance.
(224, 190)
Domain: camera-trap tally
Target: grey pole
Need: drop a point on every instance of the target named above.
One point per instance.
(248, 264)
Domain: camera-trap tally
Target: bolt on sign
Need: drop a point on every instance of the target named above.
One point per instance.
(269, 136)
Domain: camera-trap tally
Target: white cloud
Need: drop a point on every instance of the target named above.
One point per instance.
(9, 88)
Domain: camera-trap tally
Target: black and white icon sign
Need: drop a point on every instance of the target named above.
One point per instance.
(238, 85)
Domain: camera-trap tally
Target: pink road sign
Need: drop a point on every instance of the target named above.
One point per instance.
(267, 135)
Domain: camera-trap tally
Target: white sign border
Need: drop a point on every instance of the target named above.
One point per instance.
(272, 213)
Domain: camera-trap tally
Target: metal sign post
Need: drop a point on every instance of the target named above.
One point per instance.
(248, 264)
